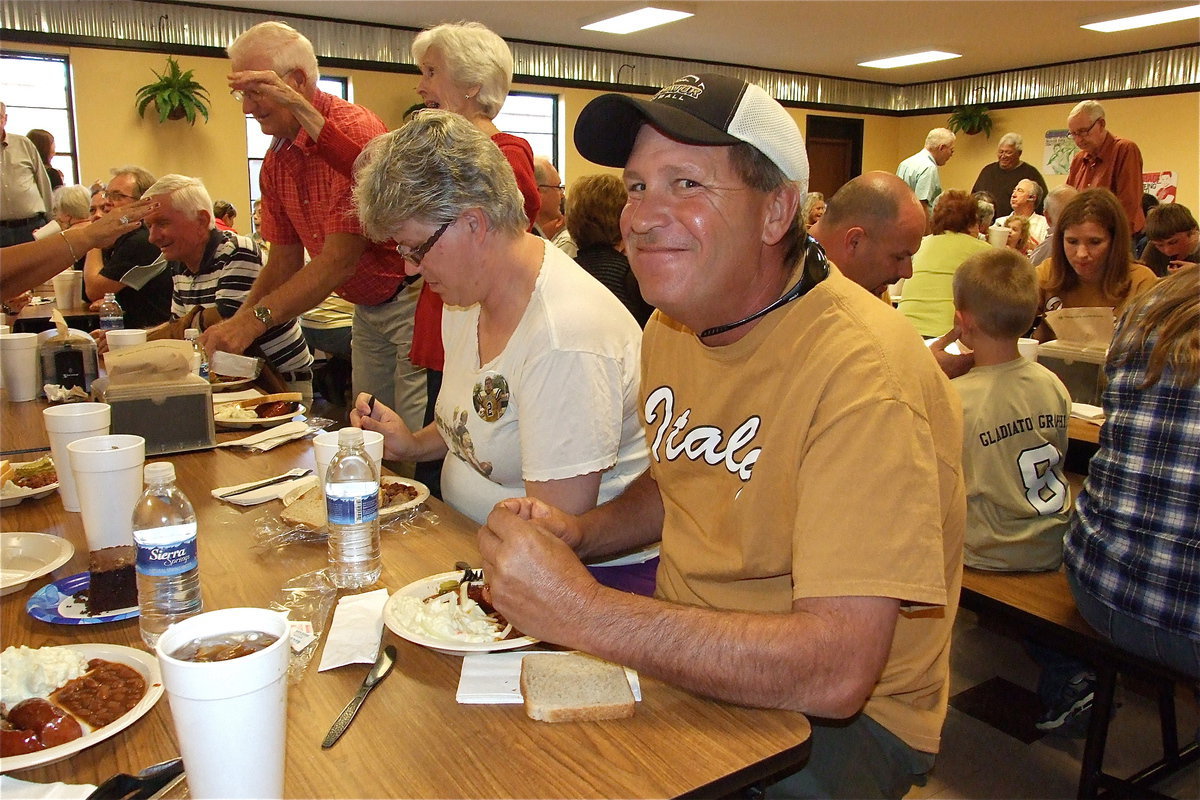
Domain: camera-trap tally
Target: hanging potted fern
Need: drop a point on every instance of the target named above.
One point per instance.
(175, 94)
(971, 120)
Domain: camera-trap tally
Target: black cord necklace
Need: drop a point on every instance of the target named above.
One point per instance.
(814, 269)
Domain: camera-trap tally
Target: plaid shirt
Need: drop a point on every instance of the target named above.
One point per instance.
(1134, 542)
(306, 197)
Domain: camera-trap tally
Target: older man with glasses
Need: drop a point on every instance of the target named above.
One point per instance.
(132, 269)
(551, 218)
(307, 206)
(1106, 161)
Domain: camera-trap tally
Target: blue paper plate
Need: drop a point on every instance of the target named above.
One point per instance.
(55, 602)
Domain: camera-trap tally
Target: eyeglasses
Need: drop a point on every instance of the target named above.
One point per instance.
(560, 187)
(1085, 131)
(420, 251)
(245, 94)
(115, 196)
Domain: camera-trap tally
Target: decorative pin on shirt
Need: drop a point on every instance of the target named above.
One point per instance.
(490, 397)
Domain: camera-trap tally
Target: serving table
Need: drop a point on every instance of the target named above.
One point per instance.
(411, 738)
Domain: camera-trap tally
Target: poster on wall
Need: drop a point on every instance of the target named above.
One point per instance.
(1163, 185)
(1060, 147)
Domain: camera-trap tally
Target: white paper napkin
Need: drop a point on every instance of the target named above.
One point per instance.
(287, 491)
(13, 789)
(265, 440)
(1086, 411)
(493, 678)
(356, 630)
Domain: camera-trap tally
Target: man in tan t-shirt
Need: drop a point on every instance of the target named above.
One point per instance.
(805, 474)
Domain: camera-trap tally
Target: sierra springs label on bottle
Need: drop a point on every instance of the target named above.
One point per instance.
(168, 559)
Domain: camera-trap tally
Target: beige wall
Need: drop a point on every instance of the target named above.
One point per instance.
(1167, 128)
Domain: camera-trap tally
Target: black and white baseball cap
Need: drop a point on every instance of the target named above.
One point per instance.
(702, 109)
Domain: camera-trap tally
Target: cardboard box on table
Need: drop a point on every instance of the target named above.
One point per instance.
(154, 394)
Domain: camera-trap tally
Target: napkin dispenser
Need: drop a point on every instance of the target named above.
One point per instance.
(153, 394)
(68, 357)
(69, 360)
(1080, 368)
(1077, 356)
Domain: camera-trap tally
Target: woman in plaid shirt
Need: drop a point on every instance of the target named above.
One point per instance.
(1133, 549)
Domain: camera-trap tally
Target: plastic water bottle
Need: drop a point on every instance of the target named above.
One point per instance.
(199, 357)
(111, 315)
(168, 572)
(352, 506)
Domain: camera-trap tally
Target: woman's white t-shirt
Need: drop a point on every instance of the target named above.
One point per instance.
(558, 402)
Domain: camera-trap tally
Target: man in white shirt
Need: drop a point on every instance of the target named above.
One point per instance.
(25, 193)
(1024, 201)
(920, 170)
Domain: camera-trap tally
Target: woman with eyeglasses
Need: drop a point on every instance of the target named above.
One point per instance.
(1091, 265)
(539, 392)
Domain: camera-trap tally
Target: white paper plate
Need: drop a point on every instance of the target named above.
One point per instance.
(427, 587)
(11, 495)
(636, 557)
(263, 422)
(143, 662)
(25, 556)
(422, 495)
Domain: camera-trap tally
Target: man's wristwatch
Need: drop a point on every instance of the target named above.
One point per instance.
(263, 314)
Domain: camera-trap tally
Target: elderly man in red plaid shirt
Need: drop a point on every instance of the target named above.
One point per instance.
(307, 206)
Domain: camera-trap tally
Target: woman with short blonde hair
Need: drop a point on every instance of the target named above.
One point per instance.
(539, 391)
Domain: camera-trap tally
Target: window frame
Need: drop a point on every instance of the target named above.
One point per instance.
(72, 152)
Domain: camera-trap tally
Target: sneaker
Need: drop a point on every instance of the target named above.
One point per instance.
(1073, 703)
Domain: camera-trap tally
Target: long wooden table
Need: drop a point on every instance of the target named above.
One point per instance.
(411, 738)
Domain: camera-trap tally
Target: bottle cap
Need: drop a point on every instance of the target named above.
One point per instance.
(191, 333)
(159, 472)
(350, 437)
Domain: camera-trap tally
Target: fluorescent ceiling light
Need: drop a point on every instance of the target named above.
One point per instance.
(909, 60)
(1145, 20)
(639, 20)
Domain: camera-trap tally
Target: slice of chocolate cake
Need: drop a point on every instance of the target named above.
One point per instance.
(113, 583)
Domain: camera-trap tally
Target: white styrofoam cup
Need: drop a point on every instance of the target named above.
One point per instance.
(108, 480)
(19, 365)
(230, 716)
(68, 423)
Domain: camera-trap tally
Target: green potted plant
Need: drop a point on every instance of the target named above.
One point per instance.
(174, 94)
(971, 120)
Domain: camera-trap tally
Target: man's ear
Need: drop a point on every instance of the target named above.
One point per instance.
(782, 208)
(853, 238)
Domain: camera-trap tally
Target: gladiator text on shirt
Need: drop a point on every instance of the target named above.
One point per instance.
(701, 442)
(1007, 429)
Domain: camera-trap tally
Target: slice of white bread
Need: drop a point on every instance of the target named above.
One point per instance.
(308, 511)
(574, 687)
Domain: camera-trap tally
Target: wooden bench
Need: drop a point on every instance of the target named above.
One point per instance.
(1040, 605)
